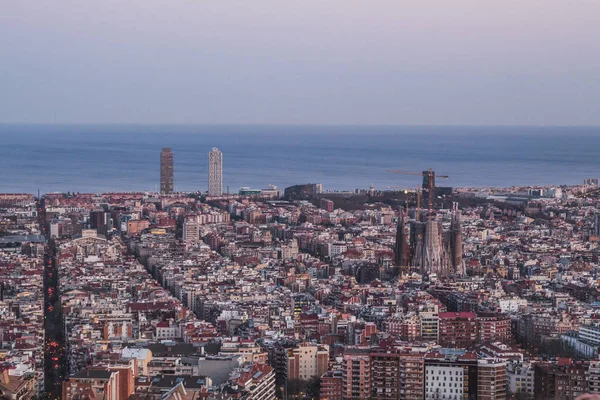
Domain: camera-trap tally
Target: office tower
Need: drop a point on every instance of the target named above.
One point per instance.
(215, 173)
(166, 171)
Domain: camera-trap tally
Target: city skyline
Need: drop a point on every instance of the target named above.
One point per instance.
(409, 207)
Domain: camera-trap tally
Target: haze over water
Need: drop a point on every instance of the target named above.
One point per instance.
(126, 158)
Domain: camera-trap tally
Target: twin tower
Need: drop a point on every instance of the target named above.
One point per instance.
(215, 172)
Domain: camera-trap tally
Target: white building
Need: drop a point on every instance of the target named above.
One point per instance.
(594, 376)
(511, 305)
(444, 382)
(164, 331)
(337, 248)
(215, 173)
(191, 231)
(520, 378)
(590, 333)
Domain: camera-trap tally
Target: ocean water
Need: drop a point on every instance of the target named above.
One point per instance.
(95, 158)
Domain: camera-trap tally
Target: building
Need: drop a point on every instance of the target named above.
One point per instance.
(136, 226)
(520, 378)
(397, 374)
(254, 382)
(302, 192)
(562, 378)
(450, 374)
(494, 328)
(331, 385)
(215, 172)
(99, 220)
(166, 171)
(431, 250)
(307, 361)
(491, 379)
(430, 324)
(15, 387)
(590, 334)
(92, 384)
(191, 231)
(458, 329)
(591, 182)
(356, 377)
(326, 204)
(594, 377)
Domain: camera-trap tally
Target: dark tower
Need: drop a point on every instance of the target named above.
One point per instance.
(402, 249)
(417, 239)
(166, 171)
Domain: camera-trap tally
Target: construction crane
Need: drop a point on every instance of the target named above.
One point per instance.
(428, 177)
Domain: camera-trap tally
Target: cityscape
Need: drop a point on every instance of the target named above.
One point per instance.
(302, 293)
(299, 200)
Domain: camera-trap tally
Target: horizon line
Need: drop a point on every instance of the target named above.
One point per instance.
(333, 125)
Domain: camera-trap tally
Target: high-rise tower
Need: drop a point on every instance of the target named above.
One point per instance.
(166, 171)
(215, 172)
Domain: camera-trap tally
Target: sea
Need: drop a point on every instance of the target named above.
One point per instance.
(103, 158)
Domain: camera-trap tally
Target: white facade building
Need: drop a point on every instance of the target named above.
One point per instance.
(520, 378)
(444, 383)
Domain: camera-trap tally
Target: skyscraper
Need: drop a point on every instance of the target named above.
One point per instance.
(215, 172)
(166, 171)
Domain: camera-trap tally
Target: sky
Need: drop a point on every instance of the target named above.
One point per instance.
(381, 62)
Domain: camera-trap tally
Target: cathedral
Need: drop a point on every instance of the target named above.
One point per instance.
(424, 246)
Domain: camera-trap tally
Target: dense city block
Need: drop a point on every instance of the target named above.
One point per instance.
(449, 294)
